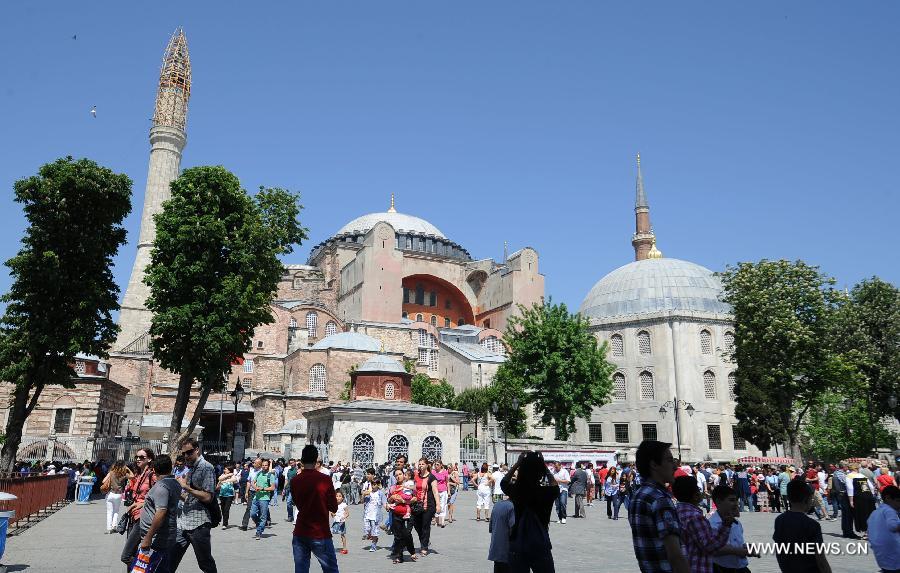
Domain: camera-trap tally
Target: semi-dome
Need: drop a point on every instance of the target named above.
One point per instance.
(348, 341)
(382, 363)
(399, 221)
(655, 285)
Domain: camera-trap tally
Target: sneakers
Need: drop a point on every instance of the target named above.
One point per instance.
(242, 528)
(344, 551)
(257, 537)
(563, 521)
(373, 549)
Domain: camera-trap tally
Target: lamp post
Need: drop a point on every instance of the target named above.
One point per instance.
(236, 396)
(221, 400)
(677, 405)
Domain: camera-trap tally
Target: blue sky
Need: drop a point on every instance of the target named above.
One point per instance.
(766, 129)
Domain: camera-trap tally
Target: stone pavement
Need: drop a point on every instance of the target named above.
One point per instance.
(73, 540)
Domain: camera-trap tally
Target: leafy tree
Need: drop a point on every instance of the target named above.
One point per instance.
(63, 294)
(784, 314)
(213, 273)
(348, 385)
(555, 363)
(475, 401)
(428, 393)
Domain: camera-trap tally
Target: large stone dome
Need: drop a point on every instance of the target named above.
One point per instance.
(399, 221)
(654, 285)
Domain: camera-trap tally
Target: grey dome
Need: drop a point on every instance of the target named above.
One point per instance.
(381, 363)
(655, 285)
(348, 341)
(399, 221)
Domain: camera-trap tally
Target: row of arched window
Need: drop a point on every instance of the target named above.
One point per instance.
(617, 343)
(648, 388)
(363, 451)
(312, 324)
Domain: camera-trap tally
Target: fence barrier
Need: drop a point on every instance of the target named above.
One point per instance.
(34, 493)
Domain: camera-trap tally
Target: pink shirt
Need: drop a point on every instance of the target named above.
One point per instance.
(441, 478)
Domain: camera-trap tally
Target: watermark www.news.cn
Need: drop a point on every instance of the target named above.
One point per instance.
(834, 548)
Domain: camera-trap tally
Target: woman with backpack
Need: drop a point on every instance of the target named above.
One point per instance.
(533, 491)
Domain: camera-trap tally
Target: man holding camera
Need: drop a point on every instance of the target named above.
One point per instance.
(194, 521)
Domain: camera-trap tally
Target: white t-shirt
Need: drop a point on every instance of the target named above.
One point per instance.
(498, 475)
(823, 477)
(562, 474)
(341, 514)
(701, 482)
(373, 506)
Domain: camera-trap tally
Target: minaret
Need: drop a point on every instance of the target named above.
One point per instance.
(167, 140)
(643, 239)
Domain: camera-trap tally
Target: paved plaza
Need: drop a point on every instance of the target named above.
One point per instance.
(73, 539)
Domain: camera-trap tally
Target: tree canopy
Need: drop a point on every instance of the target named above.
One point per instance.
(554, 363)
(213, 273)
(63, 294)
(428, 393)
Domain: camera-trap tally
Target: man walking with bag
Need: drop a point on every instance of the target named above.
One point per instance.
(194, 518)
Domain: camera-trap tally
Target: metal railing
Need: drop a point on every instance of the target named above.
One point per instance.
(35, 495)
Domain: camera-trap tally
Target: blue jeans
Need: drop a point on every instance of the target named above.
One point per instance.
(289, 501)
(465, 480)
(259, 513)
(323, 549)
(561, 504)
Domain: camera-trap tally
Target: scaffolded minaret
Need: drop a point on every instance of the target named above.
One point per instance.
(167, 140)
(643, 240)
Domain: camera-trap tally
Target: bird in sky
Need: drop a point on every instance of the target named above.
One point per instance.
(94, 111)
(75, 37)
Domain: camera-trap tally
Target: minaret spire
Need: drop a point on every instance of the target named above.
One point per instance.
(167, 141)
(392, 209)
(643, 239)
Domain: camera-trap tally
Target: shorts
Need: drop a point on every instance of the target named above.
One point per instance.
(370, 527)
(339, 528)
(483, 501)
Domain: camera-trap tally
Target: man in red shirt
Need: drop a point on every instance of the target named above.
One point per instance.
(812, 480)
(313, 494)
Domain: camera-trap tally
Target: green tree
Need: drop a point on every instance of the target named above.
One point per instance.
(63, 294)
(428, 393)
(784, 315)
(555, 363)
(476, 402)
(213, 273)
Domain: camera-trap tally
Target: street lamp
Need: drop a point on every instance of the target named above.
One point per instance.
(236, 396)
(677, 405)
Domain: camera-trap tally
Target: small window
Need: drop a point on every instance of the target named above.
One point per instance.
(648, 431)
(420, 295)
(619, 386)
(423, 357)
(617, 345)
(709, 384)
(80, 367)
(729, 342)
(446, 323)
(705, 342)
(419, 318)
(62, 423)
(312, 322)
(433, 320)
(461, 321)
(317, 378)
(643, 338)
(292, 323)
(739, 442)
(732, 382)
(259, 343)
(409, 243)
(248, 366)
(330, 328)
(595, 432)
(389, 391)
(405, 314)
(406, 295)
(648, 392)
(432, 299)
(714, 435)
(621, 433)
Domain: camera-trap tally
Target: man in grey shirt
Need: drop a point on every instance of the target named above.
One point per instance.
(578, 489)
(157, 523)
(194, 522)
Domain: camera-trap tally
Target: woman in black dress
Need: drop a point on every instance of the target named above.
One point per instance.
(533, 491)
(862, 499)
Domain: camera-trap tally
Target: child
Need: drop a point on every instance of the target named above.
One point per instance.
(698, 539)
(733, 557)
(794, 527)
(339, 527)
(373, 502)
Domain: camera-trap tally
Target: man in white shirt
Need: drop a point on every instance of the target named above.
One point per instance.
(703, 487)
(884, 530)
(498, 476)
(251, 489)
(562, 477)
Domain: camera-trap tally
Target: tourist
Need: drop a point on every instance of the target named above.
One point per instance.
(373, 502)
(655, 529)
(811, 477)
(498, 473)
(465, 476)
(194, 521)
(264, 490)
(602, 474)
(400, 498)
(703, 486)
(245, 477)
(503, 517)
(578, 489)
(561, 475)
(742, 487)
(784, 478)
(612, 493)
(357, 477)
(732, 558)
(225, 486)
(861, 497)
(884, 479)
(884, 530)
(114, 483)
(589, 470)
(484, 484)
(839, 492)
(453, 491)
(533, 491)
(313, 494)
(339, 520)
(428, 496)
(134, 496)
(441, 476)
(250, 491)
(289, 473)
(159, 518)
(773, 490)
(795, 529)
(698, 538)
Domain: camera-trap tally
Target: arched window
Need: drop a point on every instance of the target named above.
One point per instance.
(648, 392)
(732, 381)
(643, 338)
(709, 384)
(705, 342)
(419, 318)
(617, 344)
(432, 448)
(729, 342)
(493, 344)
(317, 378)
(312, 322)
(389, 391)
(433, 320)
(330, 328)
(80, 367)
(618, 386)
(363, 450)
(397, 445)
(292, 323)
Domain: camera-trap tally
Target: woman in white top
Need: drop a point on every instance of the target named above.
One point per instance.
(485, 483)
(613, 497)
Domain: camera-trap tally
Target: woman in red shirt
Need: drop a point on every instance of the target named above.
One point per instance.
(428, 496)
(133, 499)
(399, 498)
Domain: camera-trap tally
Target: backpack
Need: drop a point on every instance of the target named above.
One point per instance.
(529, 540)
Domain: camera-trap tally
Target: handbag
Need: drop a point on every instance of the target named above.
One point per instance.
(416, 507)
(146, 561)
(124, 523)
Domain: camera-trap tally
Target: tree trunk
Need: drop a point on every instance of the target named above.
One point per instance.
(181, 402)
(18, 413)
(201, 402)
(795, 448)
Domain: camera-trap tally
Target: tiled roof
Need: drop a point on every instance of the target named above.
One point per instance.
(393, 406)
(382, 363)
(474, 352)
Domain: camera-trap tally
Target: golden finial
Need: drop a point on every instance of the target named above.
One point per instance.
(392, 210)
(639, 159)
(654, 252)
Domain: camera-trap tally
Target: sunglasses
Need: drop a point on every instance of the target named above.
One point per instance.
(188, 452)
(140, 457)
